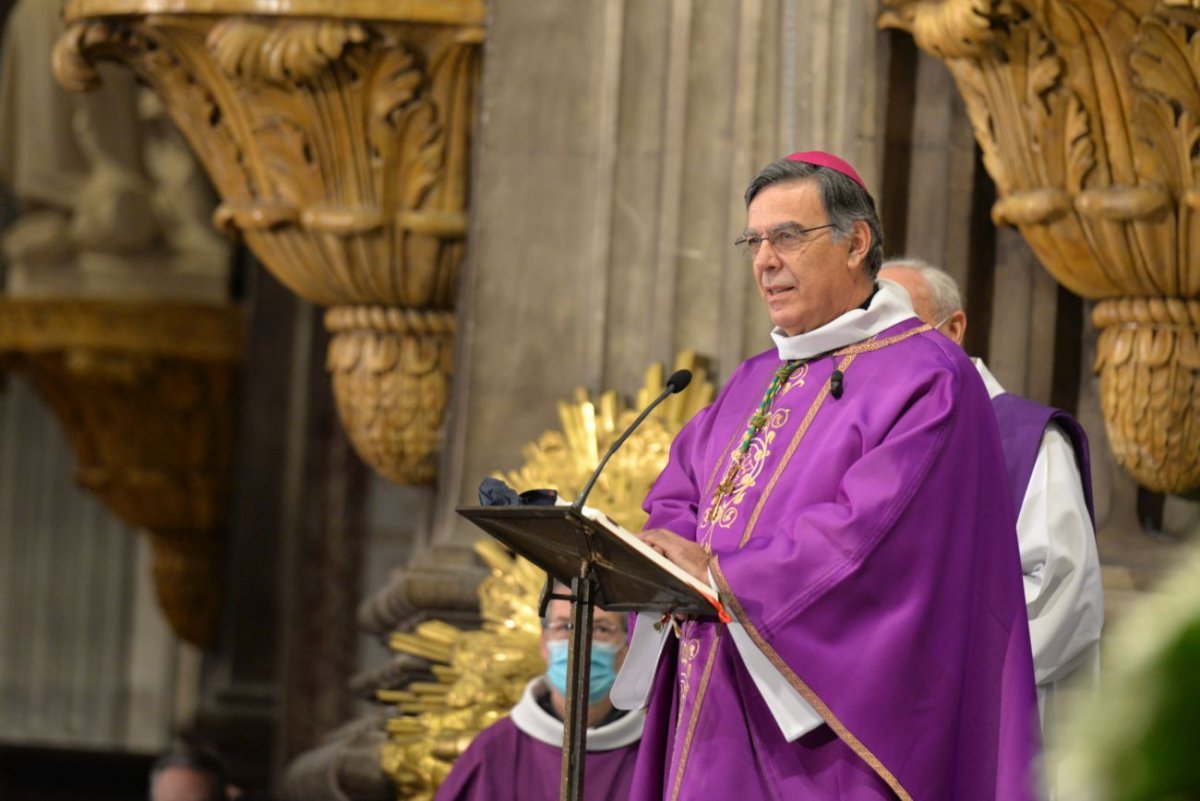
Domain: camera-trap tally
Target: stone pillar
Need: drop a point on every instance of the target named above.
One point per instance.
(87, 661)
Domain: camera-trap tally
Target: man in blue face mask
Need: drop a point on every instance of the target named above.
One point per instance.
(520, 757)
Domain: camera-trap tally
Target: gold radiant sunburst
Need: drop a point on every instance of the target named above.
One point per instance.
(481, 674)
(564, 460)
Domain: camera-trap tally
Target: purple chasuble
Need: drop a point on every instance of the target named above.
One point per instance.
(1022, 424)
(505, 764)
(870, 554)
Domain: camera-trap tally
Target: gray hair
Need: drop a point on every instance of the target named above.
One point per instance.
(844, 199)
(943, 291)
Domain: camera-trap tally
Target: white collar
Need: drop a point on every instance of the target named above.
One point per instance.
(889, 306)
(530, 718)
(993, 386)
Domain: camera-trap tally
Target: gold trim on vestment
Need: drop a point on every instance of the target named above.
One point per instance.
(701, 691)
(813, 408)
(868, 345)
(850, 353)
(712, 479)
(735, 606)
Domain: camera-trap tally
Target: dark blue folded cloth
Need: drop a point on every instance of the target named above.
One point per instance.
(494, 492)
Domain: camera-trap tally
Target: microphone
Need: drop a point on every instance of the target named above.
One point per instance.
(835, 384)
(675, 383)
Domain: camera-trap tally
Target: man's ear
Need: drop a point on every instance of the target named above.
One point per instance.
(860, 244)
(955, 326)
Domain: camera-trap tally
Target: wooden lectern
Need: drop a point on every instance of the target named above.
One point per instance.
(604, 566)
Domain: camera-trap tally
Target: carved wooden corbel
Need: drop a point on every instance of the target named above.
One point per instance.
(145, 394)
(338, 136)
(1088, 116)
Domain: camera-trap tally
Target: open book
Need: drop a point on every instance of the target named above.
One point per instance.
(631, 576)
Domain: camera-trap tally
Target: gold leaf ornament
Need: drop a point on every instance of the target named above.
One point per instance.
(564, 459)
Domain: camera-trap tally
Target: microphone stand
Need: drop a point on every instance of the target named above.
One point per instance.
(583, 610)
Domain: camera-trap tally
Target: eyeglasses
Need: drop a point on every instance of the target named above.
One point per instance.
(601, 630)
(786, 239)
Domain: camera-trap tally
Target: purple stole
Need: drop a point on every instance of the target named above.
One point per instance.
(1022, 425)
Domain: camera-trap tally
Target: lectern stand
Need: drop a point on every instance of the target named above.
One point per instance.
(604, 566)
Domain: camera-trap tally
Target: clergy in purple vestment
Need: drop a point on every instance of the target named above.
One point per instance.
(845, 495)
(519, 758)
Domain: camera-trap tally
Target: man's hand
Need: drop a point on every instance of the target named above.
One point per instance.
(685, 553)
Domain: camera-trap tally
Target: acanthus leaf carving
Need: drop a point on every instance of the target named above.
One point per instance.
(340, 148)
(948, 30)
(1081, 148)
(1165, 126)
(75, 71)
(318, 116)
(284, 54)
(1088, 116)
(404, 126)
(1148, 358)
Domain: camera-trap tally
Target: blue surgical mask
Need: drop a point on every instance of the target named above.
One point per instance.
(603, 673)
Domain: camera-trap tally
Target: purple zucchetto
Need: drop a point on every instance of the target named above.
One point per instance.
(820, 158)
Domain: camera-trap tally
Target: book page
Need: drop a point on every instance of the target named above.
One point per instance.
(635, 542)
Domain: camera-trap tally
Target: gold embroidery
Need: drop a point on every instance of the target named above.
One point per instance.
(724, 512)
(701, 691)
(712, 479)
(849, 354)
(689, 647)
(753, 429)
(856, 745)
(797, 379)
(869, 345)
(787, 456)
(722, 509)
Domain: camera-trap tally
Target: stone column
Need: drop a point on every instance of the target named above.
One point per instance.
(87, 661)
